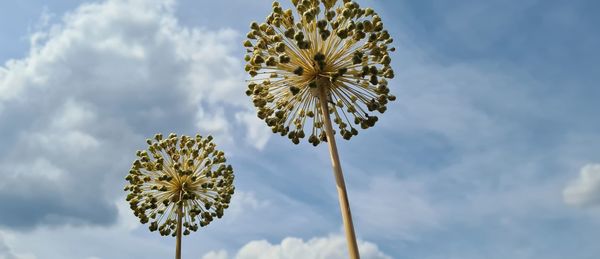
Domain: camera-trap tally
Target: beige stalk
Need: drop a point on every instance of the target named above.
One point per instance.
(339, 178)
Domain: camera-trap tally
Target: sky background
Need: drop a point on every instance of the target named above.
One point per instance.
(492, 149)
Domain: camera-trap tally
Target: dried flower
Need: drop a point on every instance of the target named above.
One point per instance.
(323, 44)
(179, 174)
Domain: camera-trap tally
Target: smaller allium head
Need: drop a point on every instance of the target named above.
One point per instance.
(179, 172)
(328, 45)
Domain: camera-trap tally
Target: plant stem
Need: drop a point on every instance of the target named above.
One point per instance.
(178, 244)
(339, 177)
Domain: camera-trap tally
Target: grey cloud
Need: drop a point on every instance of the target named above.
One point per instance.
(5, 251)
(92, 88)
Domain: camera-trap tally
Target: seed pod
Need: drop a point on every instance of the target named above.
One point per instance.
(299, 59)
(299, 71)
(154, 193)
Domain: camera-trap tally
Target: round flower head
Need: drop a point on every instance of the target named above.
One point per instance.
(326, 45)
(179, 172)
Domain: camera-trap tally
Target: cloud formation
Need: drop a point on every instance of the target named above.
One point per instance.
(330, 247)
(7, 253)
(584, 191)
(92, 88)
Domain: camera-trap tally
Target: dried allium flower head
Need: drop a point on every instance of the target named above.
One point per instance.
(339, 48)
(184, 174)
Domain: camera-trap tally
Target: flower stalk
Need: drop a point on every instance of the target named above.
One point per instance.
(179, 226)
(316, 64)
(339, 178)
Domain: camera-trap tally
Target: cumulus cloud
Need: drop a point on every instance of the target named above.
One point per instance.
(216, 255)
(91, 89)
(584, 191)
(330, 247)
(250, 217)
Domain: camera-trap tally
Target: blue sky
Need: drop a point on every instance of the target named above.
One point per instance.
(492, 149)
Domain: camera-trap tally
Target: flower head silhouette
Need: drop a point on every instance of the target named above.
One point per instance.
(179, 184)
(338, 50)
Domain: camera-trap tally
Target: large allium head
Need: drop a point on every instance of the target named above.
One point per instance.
(186, 172)
(338, 46)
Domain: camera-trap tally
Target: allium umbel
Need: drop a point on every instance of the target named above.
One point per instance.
(183, 176)
(341, 49)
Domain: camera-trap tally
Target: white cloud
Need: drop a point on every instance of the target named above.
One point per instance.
(331, 247)
(255, 134)
(584, 191)
(243, 202)
(216, 255)
(95, 85)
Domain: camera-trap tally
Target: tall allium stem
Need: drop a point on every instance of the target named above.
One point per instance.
(339, 177)
(179, 223)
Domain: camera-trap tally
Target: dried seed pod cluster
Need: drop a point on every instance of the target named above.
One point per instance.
(327, 44)
(186, 172)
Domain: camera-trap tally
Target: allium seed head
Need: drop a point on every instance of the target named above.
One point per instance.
(179, 172)
(328, 44)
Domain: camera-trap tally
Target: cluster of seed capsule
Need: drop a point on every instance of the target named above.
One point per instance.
(340, 47)
(179, 174)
